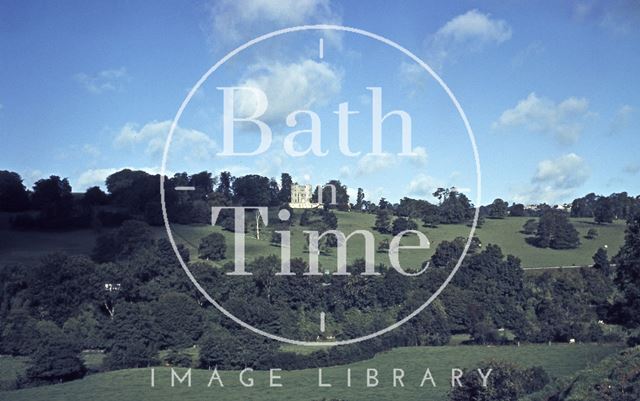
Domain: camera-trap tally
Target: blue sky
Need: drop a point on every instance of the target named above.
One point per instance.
(550, 89)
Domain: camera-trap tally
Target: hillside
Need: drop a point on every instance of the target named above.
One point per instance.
(559, 360)
(18, 246)
(614, 378)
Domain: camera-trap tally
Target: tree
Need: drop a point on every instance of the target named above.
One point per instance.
(52, 196)
(212, 247)
(132, 236)
(330, 220)
(60, 284)
(628, 274)
(530, 227)
(498, 209)
(359, 199)
(251, 190)
(224, 187)
(584, 207)
(507, 382)
(383, 221)
(603, 212)
(178, 320)
(285, 188)
(401, 224)
(601, 261)
(94, 196)
(56, 358)
(133, 340)
(516, 210)
(556, 231)
(342, 197)
(13, 194)
(454, 208)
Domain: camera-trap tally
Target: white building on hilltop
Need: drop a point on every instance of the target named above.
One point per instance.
(301, 196)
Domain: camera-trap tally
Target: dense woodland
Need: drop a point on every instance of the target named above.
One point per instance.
(130, 298)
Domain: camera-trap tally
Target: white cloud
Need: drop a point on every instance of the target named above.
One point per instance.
(237, 20)
(556, 179)
(469, 32)
(562, 120)
(288, 87)
(413, 76)
(104, 81)
(419, 156)
(621, 120)
(373, 163)
(422, 185)
(154, 134)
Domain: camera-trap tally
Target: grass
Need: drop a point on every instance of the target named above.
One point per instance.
(10, 368)
(559, 360)
(502, 232)
(25, 246)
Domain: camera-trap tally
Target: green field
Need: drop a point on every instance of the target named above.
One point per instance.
(24, 246)
(558, 360)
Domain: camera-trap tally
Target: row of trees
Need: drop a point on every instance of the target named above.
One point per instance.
(133, 299)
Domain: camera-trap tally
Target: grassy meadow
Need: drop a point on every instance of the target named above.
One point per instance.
(24, 246)
(559, 360)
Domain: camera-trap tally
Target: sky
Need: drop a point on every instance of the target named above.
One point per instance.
(549, 89)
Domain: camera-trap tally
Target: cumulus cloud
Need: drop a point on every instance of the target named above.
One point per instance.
(621, 120)
(556, 179)
(233, 21)
(103, 81)
(469, 32)
(561, 120)
(154, 134)
(288, 87)
(422, 185)
(373, 163)
(413, 76)
(418, 158)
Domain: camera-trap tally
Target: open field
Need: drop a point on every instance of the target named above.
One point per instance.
(23, 246)
(558, 360)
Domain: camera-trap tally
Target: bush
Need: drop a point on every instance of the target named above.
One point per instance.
(179, 359)
(212, 247)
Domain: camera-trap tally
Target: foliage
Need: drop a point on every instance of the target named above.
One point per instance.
(212, 247)
(530, 227)
(383, 221)
(498, 209)
(507, 382)
(401, 224)
(13, 194)
(56, 358)
(628, 274)
(556, 231)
